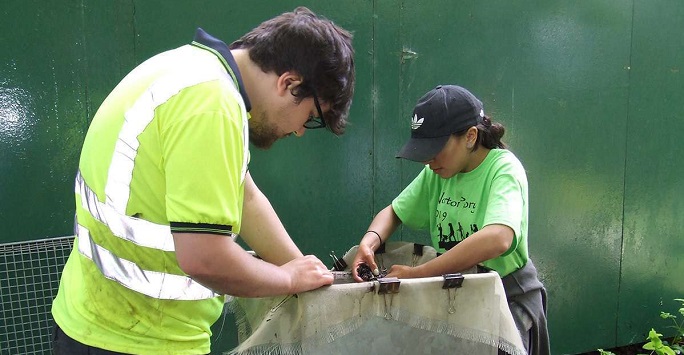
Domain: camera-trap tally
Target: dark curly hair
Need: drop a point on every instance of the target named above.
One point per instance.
(489, 134)
(314, 47)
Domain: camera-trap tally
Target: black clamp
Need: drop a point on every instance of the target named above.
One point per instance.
(418, 249)
(338, 264)
(452, 280)
(417, 253)
(388, 285)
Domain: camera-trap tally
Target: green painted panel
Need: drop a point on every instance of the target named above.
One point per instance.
(577, 87)
(52, 78)
(652, 262)
(554, 73)
(391, 112)
(42, 101)
(109, 47)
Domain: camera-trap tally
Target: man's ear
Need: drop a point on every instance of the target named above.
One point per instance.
(287, 82)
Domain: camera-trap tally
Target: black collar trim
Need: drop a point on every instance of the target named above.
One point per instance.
(220, 49)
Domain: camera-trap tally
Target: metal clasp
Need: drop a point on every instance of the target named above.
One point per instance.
(338, 264)
(417, 253)
(387, 287)
(452, 281)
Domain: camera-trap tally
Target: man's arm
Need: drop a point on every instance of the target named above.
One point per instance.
(262, 230)
(222, 265)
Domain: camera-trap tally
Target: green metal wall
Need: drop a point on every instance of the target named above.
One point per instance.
(591, 94)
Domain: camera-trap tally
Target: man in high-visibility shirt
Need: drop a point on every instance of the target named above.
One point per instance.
(163, 187)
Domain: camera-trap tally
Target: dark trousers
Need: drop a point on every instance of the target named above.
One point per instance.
(63, 345)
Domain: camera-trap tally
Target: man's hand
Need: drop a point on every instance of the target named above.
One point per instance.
(307, 273)
(222, 265)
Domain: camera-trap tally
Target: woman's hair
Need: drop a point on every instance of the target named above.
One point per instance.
(314, 47)
(489, 134)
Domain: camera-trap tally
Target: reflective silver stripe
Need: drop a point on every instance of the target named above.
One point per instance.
(112, 212)
(150, 283)
(141, 114)
(133, 229)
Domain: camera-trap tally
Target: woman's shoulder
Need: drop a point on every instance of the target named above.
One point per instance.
(504, 159)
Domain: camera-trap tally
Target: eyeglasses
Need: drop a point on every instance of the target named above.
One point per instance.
(315, 122)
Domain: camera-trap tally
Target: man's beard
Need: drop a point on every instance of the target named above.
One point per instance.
(262, 133)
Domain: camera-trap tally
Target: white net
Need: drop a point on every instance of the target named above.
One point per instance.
(368, 318)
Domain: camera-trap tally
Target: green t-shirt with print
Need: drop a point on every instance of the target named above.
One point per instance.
(452, 209)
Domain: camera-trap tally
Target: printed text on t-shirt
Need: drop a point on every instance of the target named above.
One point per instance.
(456, 231)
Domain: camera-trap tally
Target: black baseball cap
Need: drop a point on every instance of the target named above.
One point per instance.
(441, 112)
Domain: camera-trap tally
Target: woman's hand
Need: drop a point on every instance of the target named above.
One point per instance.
(402, 272)
(364, 255)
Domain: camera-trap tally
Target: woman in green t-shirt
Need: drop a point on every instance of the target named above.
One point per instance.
(472, 198)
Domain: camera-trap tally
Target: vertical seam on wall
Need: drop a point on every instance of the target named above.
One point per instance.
(374, 108)
(84, 45)
(135, 33)
(624, 172)
(401, 94)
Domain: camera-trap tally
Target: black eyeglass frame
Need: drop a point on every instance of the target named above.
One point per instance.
(315, 122)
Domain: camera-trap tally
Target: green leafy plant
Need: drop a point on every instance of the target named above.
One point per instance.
(659, 346)
(662, 347)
